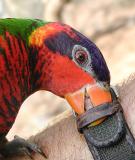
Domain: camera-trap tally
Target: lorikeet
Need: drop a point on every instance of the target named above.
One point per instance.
(37, 55)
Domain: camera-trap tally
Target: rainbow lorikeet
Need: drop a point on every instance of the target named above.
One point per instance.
(37, 55)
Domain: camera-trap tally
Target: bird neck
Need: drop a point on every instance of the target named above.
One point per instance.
(39, 64)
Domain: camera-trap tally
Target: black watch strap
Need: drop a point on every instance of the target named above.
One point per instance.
(111, 139)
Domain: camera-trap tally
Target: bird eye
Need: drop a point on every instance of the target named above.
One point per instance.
(81, 57)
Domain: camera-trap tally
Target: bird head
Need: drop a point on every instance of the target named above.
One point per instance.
(70, 65)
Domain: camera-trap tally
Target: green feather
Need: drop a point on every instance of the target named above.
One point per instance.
(20, 27)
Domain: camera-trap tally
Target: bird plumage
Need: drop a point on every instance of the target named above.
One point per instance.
(37, 55)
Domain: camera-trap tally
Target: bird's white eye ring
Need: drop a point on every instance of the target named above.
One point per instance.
(80, 55)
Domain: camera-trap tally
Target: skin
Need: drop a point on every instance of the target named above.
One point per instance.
(35, 55)
(61, 139)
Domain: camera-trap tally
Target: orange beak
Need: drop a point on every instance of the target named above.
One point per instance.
(97, 93)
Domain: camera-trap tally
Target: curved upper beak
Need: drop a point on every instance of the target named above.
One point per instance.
(97, 94)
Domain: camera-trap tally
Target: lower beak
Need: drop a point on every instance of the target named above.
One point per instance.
(97, 93)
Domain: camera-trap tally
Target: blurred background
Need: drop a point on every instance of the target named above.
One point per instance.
(110, 24)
